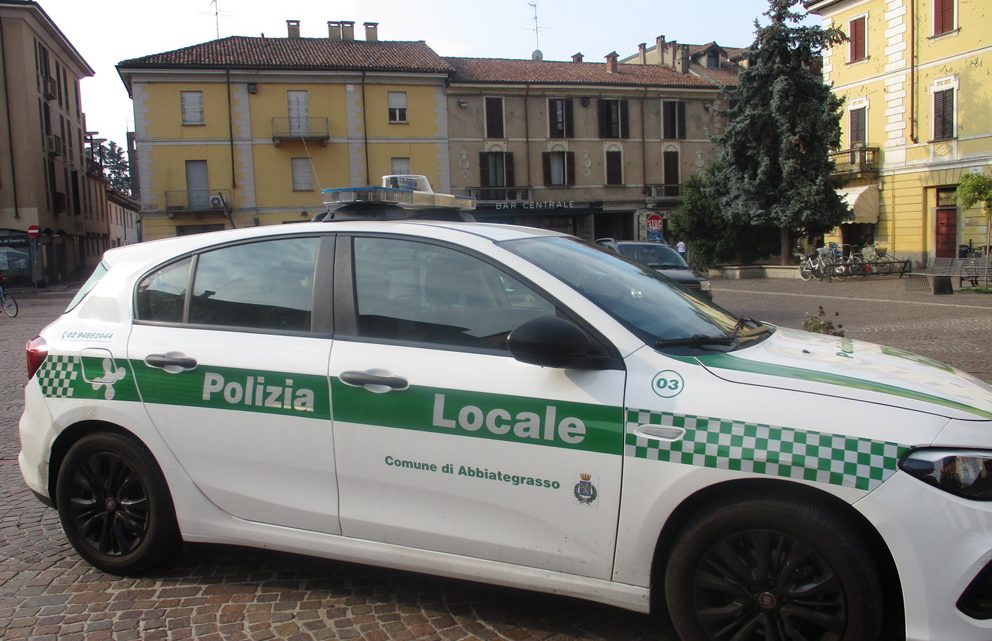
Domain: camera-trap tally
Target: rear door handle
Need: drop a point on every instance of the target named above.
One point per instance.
(374, 381)
(172, 362)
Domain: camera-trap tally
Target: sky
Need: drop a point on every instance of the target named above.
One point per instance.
(106, 32)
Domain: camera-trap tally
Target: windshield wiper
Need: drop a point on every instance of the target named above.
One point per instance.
(696, 340)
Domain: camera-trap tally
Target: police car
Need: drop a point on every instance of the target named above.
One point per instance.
(514, 406)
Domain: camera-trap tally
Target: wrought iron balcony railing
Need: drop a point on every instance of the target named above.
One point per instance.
(497, 194)
(665, 191)
(285, 129)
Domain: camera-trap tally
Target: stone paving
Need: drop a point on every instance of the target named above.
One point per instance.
(220, 593)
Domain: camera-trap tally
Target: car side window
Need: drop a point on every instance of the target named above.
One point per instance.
(262, 285)
(421, 292)
(162, 294)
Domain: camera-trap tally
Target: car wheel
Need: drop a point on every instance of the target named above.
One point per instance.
(772, 570)
(115, 506)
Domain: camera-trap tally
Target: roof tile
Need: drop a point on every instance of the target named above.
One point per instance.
(503, 71)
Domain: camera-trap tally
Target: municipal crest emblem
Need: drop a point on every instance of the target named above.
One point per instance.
(585, 492)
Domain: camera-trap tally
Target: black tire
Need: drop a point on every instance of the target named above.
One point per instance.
(772, 569)
(115, 506)
(806, 270)
(9, 305)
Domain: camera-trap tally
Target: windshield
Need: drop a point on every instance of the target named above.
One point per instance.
(652, 255)
(656, 308)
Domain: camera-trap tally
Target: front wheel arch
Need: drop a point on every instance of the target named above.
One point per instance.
(707, 498)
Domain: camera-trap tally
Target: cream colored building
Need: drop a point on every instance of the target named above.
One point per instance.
(916, 77)
(44, 183)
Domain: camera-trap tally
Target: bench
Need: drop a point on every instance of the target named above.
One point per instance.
(937, 276)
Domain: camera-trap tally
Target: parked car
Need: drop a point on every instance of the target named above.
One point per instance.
(515, 406)
(664, 258)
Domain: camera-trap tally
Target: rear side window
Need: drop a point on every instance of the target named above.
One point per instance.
(87, 287)
(264, 285)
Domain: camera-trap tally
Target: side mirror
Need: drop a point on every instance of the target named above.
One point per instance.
(550, 341)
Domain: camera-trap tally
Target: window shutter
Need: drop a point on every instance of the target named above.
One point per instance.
(569, 167)
(484, 180)
(943, 16)
(546, 162)
(494, 117)
(508, 159)
(604, 118)
(858, 127)
(671, 172)
(943, 114)
(614, 168)
(857, 39)
(680, 118)
(624, 120)
(569, 126)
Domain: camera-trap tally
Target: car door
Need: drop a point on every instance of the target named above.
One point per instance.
(443, 441)
(229, 350)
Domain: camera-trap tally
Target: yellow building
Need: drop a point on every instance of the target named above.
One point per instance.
(916, 76)
(246, 131)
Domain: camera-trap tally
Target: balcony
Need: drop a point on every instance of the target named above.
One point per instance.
(198, 200)
(53, 145)
(499, 194)
(857, 162)
(50, 88)
(305, 129)
(665, 191)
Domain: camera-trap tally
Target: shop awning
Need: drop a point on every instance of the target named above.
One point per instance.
(864, 202)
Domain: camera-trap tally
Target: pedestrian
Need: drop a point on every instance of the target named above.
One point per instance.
(680, 248)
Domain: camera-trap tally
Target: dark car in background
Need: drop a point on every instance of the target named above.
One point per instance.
(664, 259)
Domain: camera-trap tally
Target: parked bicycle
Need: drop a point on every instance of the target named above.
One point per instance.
(6, 300)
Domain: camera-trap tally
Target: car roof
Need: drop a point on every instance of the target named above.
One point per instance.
(156, 251)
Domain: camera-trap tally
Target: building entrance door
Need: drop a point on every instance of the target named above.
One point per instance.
(946, 240)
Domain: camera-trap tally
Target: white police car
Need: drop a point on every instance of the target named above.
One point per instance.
(514, 406)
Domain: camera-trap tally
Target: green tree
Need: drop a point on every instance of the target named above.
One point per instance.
(712, 237)
(972, 189)
(117, 168)
(783, 122)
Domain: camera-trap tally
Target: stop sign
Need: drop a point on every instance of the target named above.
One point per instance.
(654, 222)
(33, 231)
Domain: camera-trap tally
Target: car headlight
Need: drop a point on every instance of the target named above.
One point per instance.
(964, 473)
(704, 285)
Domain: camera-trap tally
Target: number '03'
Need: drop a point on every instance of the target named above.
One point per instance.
(667, 383)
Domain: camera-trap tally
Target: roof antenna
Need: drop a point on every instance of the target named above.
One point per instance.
(216, 4)
(537, 55)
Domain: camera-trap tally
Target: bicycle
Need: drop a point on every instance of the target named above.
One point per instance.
(7, 301)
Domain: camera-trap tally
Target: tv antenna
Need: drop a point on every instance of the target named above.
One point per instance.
(217, 14)
(537, 55)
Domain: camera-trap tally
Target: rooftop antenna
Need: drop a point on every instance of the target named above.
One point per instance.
(537, 55)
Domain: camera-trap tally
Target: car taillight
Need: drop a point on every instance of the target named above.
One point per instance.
(37, 351)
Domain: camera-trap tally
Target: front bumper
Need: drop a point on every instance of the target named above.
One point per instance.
(940, 544)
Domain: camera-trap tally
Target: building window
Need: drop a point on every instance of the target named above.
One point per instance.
(712, 59)
(943, 16)
(302, 175)
(670, 167)
(943, 114)
(859, 126)
(397, 106)
(494, 117)
(399, 166)
(191, 103)
(673, 119)
(614, 166)
(559, 168)
(495, 174)
(856, 32)
(560, 118)
(613, 121)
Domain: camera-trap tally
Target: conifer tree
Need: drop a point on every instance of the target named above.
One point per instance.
(783, 122)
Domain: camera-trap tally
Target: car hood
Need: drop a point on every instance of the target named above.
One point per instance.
(835, 366)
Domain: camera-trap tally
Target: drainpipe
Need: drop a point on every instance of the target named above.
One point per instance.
(365, 133)
(912, 72)
(644, 142)
(10, 128)
(527, 131)
(230, 127)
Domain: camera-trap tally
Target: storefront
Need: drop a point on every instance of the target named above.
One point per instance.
(15, 256)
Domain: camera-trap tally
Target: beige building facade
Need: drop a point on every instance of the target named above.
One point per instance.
(44, 184)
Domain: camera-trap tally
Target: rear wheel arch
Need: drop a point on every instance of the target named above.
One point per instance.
(721, 494)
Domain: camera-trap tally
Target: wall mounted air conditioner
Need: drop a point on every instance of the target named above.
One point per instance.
(216, 202)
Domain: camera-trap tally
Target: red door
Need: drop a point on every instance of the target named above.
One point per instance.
(947, 233)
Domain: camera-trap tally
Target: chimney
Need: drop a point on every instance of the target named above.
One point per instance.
(333, 30)
(642, 52)
(659, 45)
(577, 57)
(611, 62)
(681, 58)
(670, 53)
(293, 26)
(371, 31)
(348, 29)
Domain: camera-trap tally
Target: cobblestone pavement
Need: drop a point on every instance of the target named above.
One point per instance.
(215, 592)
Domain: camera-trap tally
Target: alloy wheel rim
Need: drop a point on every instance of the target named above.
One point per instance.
(109, 505)
(767, 585)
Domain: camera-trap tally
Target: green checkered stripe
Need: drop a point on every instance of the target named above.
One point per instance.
(765, 449)
(56, 375)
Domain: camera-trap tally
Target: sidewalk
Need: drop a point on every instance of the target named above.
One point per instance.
(67, 289)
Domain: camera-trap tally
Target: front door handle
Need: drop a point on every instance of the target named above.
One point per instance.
(374, 381)
(668, 433)
(172, 362)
